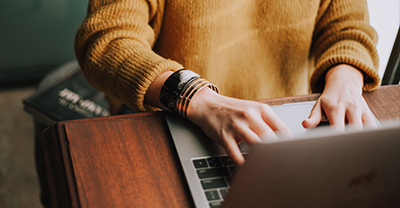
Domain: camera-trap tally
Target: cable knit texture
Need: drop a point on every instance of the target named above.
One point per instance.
(250, 49)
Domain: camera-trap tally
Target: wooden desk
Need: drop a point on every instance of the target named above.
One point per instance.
(130, 160)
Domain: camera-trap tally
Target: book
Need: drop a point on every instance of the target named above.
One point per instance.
(64, 94)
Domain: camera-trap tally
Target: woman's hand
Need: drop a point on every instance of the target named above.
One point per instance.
(226, 120)
(230, 121)
(342, 100)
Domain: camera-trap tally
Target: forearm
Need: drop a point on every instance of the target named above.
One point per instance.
(114, 48)
(152, 96)
(343, 35)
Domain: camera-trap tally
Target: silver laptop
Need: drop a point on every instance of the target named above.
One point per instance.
(351, 169)
(307, 169)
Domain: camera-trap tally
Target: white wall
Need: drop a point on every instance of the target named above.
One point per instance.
(385, 18)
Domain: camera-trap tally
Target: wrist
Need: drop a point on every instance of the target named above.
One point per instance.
(153, 92)
(201, 103)
(344, 75)
(179, 89)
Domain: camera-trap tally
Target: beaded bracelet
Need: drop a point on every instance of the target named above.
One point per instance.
(179, 89)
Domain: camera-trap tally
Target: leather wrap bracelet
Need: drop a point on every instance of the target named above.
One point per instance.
(179, 89)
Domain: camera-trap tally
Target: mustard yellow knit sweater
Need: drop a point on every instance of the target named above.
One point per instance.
(250, 49)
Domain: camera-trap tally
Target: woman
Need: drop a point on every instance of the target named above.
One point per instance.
(134, 49)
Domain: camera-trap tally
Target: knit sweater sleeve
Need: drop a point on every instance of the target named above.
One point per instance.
(343, 35)
(114, 44)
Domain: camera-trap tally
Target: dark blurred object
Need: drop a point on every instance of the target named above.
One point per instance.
(392, 71)
(35, 37)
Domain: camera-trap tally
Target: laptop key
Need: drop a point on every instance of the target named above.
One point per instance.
(229, 179)
(213, 172)
(201, 163)
(233, 169)
(223, 192)
(214, 161)
(215, 205)
(214, 183)
(212, 195)
(227, 161)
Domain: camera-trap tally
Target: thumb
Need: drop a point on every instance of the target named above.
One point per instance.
(315, 116)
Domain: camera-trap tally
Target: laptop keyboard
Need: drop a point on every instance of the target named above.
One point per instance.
(215, 174)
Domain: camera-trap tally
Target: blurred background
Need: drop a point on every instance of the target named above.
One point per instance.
(37, 36)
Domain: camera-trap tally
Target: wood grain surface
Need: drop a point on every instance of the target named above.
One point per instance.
(126, 162)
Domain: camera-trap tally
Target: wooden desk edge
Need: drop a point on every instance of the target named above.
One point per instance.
(61, 179)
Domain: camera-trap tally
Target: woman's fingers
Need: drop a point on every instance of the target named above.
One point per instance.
(315, 116)
(275, 124)
(245, 133)
(340, 110)
(337, 120)
(354, 118)
(251, 132)
(368, 119)
(269, 136)
(229, 121)
(233, 151)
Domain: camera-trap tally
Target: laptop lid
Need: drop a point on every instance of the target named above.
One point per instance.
(350, 169)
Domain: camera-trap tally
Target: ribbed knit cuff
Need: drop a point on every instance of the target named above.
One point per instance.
(136, 75)
(346, 52)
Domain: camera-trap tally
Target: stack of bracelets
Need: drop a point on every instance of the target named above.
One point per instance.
(179, 88)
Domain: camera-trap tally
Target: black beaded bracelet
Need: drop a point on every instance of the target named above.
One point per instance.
(180, 87)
